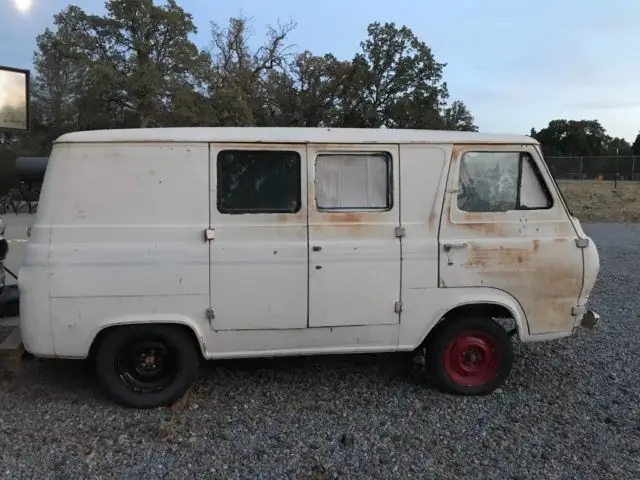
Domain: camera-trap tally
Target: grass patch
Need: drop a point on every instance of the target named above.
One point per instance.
(599, 201)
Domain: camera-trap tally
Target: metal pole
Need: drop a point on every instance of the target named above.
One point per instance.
(580, 178)
(615, 182)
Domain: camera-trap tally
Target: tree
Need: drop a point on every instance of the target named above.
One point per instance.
(137, 59)
(310, 92)
(573, 138)
(398, 83)
(239, 82)
(60, 80)
(135, 66)
(635, 148)
(583, 138)
(458, 117)
(617, 146)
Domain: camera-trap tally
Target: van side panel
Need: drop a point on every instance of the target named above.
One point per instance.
(259, 259)
(126, 223)
(423, 180)
(305, 341)
(33, 276)
(509, 238)
(354, 254)
(33, 284)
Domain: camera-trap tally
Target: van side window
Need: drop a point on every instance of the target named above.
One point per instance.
(354, 181)
(500, 181)
(258, 181)
(533, 191)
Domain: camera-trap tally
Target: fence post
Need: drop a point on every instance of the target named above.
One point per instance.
(633, 167)
(580, 172)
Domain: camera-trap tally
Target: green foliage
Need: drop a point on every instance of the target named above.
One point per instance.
(136, 66)
(635, 148)
(579, 138)
(584, 138)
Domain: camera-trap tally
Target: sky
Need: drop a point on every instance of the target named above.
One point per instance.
(516, 64)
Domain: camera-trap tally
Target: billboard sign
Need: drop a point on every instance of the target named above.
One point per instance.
(14, 100)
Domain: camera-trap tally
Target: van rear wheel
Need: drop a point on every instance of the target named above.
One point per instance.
(147, 366)
(470, 356)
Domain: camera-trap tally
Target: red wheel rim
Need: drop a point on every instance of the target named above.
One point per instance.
(472, 358)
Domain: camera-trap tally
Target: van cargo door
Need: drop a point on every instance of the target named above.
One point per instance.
(259, 254)
(354, 257)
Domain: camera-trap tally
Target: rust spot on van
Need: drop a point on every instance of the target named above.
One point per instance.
(349, 223)
(432, 219)
(456, 151)
(292, 218)
(436, 209)
(473, 216)
(498, 258)
(283, 218)
(552, 295)
(485, 228)
(311, 200)
(346, 217)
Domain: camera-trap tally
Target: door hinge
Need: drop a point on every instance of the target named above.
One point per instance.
(210, 314)
(582, 242)
(209, 234)
(400, 232)
(398, 307)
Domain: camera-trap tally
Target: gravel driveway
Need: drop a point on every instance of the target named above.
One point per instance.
(571, 410)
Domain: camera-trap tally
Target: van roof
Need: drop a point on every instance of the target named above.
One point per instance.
(289, 135)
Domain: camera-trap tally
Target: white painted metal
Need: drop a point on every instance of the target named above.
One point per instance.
(591, 261)
(354, 257)
(530, 254)
(423, 176)
(128, 231)
(289, 135)
(117, 238)
(2, 272)
(259, 261)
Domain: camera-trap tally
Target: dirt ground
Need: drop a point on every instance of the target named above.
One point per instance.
(602, 201)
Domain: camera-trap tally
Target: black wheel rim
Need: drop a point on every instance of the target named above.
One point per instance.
(147, 365)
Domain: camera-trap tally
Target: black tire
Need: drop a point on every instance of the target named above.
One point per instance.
(454, 348)
(173, 367)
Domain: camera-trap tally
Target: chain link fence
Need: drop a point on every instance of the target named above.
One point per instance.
(615, 168)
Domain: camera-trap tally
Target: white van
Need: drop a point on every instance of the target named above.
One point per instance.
(4, 250)
(153, 249)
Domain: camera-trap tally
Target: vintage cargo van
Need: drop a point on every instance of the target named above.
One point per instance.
(154, 249)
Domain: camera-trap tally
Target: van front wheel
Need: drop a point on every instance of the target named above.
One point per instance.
(470, 356)
(147, 366)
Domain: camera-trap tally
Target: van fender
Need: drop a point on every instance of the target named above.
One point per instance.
(473, 296)
(165, 319)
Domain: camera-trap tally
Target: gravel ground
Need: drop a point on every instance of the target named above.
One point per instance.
(571, 410)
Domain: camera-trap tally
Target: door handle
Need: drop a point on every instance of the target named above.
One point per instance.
(317, 248)
(449, 246)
